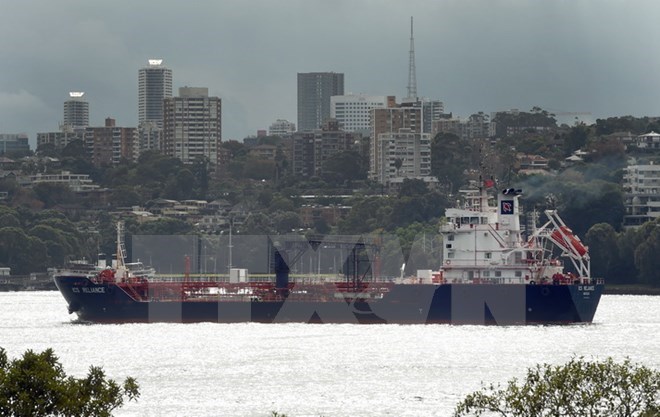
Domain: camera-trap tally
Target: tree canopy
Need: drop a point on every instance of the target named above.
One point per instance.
(36, 385)
(578, 388)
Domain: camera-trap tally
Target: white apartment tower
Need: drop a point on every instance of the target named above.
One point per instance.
(155, 85)
(353, 111)
(76, 112)
(192, 125)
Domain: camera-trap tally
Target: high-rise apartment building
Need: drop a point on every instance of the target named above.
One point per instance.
(314, 92)
(403, 154)
(386, 121)
(192, 125)
(155, 85)
(353, 111)
(76, 112)
(109, 144)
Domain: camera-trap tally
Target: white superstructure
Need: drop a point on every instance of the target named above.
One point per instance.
(484, 243)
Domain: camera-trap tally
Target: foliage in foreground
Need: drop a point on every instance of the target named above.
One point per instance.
(577, 388)
(36, 385)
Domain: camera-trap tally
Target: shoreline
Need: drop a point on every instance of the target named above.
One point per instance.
(631, 290)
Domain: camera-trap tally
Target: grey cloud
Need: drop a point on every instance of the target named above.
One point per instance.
(479, 55)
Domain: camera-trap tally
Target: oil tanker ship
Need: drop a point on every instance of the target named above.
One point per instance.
(492, 273)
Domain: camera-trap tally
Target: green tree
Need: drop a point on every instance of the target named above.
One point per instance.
(286, 221)
(646, 253)
(9, 220)
(602, 241)
(626, 271)
(344, 167)
(576, 139)
(258, 169)
(14, 246)
(53, 194)
(578, 388)
(36, 385)
(450, 158)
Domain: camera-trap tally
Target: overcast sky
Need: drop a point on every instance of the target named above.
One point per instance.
(598, 56)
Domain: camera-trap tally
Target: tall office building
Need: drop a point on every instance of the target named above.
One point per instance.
(192, 125)
(314, 92)
(155, 85)
(76, 111)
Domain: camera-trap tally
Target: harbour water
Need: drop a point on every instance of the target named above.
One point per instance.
(311, 370)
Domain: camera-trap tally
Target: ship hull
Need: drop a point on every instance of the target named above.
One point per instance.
(499, 304)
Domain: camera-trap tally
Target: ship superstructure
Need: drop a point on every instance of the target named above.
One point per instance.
(485, 243)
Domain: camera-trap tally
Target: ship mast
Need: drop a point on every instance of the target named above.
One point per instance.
(121, 251)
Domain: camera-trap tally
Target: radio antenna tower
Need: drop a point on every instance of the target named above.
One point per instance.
(412, 78)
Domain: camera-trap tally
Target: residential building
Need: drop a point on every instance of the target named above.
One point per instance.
(310, 149)
(150, 136)
(385, 121)
(76, 111)
(281, 127)
(268, 152)
(403, 154)
(648, 141)
(314, 92)
(13, 142)
(76, 182)
(477, 126)
(59, 139)
(109, 144)
(154, 85)
(641, 186)
(353, 111)
(452, 125)
(192, 125)
(431, 111)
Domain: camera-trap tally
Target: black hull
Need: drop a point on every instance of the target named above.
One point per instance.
(499, 304)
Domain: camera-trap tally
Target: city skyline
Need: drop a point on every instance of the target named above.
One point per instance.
(476, 56)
